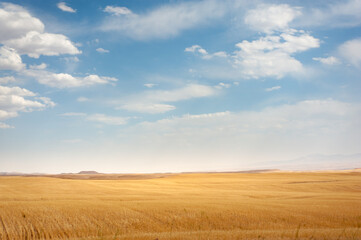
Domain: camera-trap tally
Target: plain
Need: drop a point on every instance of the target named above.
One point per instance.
(274, 205)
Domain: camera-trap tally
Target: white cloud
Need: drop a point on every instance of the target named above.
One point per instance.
(222, 85)
(105, 119)
(351, 51)
(221, 54)
(165, 21)
(154, 101)
(5, 114)
(328, 61)
(15, 22)
(149, 85)
(102, 50)
(187, 92)
(35, 44)
(195, 48)
(152, 108)
(64, 80)
(38, 67)
(117, 10)
(15, 91)
(269, 56)
(98, 118)
(7, 79)
(10, 60)
(269, 18)
(15, 99)
(4, 125)
(335, 14)
(62, 6)
(297, 41)
(273, 88)
(203, 53)
(24, 33)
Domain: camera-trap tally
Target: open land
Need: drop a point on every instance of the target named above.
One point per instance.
(270, 205)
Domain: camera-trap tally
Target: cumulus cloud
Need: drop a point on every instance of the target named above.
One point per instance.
(351, 51)
(117, 11)
(269, 18)
(328, 61)
(163, 22)
(155, 101)
(35, 44)
(15, 99)
(102, 50)
(24, 33)
(271, 55)
(62, 6)
(10, 59)
(64, 80)
(15, 22)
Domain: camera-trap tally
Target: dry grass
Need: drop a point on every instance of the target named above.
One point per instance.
(185, 206)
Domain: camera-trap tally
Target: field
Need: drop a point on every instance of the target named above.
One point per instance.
(274, 205)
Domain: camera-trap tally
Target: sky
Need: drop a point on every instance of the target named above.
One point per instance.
(170, 86)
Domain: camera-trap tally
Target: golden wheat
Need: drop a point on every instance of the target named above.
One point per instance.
(184, 206)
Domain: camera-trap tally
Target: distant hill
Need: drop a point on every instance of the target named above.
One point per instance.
(11, 174)
(318, 162)
(88, 172)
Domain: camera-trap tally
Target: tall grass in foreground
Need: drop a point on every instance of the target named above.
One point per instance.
(186, 206)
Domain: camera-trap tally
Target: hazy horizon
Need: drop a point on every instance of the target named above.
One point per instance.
(179, 86)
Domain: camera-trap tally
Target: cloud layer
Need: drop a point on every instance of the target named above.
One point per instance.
(65, 80)
(243, 138)
(156, 101)
(162, 22)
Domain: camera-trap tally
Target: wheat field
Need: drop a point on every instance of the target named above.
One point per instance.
(278, 205)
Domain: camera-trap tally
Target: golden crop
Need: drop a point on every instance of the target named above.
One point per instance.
(185, 206)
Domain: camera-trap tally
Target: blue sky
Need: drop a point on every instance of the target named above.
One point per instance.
(156, 86)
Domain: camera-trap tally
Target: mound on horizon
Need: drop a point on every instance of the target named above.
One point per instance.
(88, 172)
